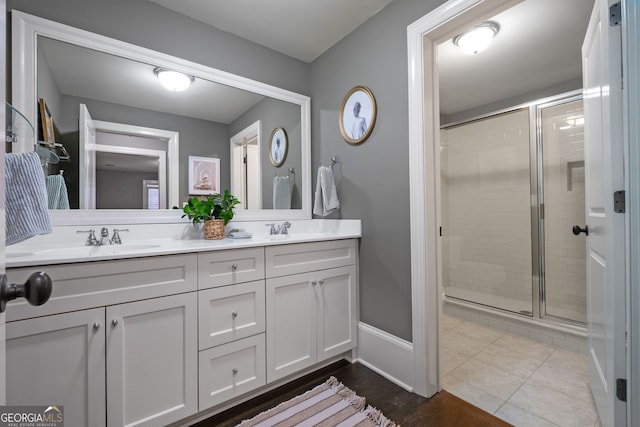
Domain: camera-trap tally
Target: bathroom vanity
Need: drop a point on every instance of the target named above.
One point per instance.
(173, 331)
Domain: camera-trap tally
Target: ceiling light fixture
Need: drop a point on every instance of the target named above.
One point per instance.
(173, 80)
(478, 38)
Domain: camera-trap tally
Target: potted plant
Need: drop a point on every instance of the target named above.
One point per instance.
(215, 211)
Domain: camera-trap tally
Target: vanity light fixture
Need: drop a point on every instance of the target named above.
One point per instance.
(478, 38)
(173, 80)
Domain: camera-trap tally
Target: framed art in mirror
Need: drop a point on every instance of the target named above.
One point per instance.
(46, 123)
(358, 115)
(204, 175)
(278, 147)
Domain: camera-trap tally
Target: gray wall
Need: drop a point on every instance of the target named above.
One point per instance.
(373, 178)
(120, 189)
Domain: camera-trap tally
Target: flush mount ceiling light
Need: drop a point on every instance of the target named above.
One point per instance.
(478, 38)
(172, 80)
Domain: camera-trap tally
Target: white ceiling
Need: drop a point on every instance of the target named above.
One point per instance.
(538, 46)
(303, 29)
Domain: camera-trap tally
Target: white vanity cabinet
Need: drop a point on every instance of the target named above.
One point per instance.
(312, 312)
(231, 324)
(146, 349)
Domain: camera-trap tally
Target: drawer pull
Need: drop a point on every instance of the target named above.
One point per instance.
(96, 327)
(114, 323)
(234, 371)
(234, 267)
(234, 314)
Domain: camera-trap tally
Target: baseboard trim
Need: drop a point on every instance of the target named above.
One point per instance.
(387, 355)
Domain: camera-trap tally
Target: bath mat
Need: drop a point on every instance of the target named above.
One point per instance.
(330, 404)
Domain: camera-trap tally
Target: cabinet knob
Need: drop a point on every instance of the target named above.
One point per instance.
(234, 371)
(234, 267)
(321, 281)
(96, 327)
(114, 323)
(234, 314)
(313, 282)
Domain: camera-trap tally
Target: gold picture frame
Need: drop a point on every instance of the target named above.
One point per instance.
(358, 115)
(46, 122)
(278, 147)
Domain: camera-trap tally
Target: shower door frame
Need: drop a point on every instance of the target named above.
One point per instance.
(537, 205)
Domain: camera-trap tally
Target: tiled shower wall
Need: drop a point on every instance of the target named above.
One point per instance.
(486, 210)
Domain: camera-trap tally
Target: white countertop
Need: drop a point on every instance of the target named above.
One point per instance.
(65, 245)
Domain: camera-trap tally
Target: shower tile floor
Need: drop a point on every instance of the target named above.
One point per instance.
(524, 382)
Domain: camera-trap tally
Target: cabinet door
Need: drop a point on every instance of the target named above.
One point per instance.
(291, 324)
(337, 320)
(152, 361)
(59, 360)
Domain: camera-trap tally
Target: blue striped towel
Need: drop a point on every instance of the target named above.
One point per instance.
(26, 197)
(57, 192)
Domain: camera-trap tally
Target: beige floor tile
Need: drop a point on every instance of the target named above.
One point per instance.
(524, 347)
(521, 418)
(489, 378)
(451, 359)
(552, 405)
(476, 331)
(451, 322)
(569, 360)
(508, 360)
(462, 343)
(465, 391)
(565, 381)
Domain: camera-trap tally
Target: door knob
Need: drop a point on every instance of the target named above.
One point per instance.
(577, 230)
(37, 290)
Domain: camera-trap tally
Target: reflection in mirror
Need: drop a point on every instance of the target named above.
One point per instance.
(104, 93)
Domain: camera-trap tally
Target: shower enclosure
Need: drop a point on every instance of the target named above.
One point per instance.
(512, 187)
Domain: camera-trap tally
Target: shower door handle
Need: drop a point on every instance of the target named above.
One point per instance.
(577, 230)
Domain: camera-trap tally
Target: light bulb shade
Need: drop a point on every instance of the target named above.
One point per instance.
(172, 80)
(478, 38)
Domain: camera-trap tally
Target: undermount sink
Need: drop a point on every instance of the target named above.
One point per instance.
(96, 250)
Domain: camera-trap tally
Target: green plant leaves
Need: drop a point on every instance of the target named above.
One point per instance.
(214, 206)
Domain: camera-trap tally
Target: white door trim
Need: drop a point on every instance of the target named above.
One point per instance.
(424, 174)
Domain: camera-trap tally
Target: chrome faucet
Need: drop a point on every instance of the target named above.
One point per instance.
(115, 239)
(280, 229)
(284, 228)
(104, 233)
(91, 239)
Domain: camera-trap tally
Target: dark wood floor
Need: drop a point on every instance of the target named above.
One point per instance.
(406, 409)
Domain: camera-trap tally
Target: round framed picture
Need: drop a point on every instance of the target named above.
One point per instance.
(357, 115)
(278, 146)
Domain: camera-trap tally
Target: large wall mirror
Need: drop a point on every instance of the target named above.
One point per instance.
(127, 137)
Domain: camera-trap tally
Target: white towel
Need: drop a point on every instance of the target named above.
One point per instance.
(282, 190)
(326, 200)
(57, 192)
(26, 197)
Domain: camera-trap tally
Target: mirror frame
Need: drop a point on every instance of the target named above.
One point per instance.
(25, 30)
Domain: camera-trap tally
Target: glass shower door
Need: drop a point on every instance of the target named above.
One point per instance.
(564, 261)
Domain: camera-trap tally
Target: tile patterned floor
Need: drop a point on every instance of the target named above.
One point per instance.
(524, 382)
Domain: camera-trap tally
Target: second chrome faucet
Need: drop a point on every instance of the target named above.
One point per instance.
(92, 240)
(280, 229)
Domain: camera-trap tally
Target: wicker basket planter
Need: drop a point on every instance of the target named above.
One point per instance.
(214, 229)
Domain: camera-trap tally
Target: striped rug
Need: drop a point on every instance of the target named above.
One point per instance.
(328, 405)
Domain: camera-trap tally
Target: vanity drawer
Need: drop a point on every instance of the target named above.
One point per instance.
(283, 260)
(229, 313)
(221, 268)
(101, 283)
(230, 370)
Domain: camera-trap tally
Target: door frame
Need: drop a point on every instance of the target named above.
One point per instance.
(424, 165)
(423, 36)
